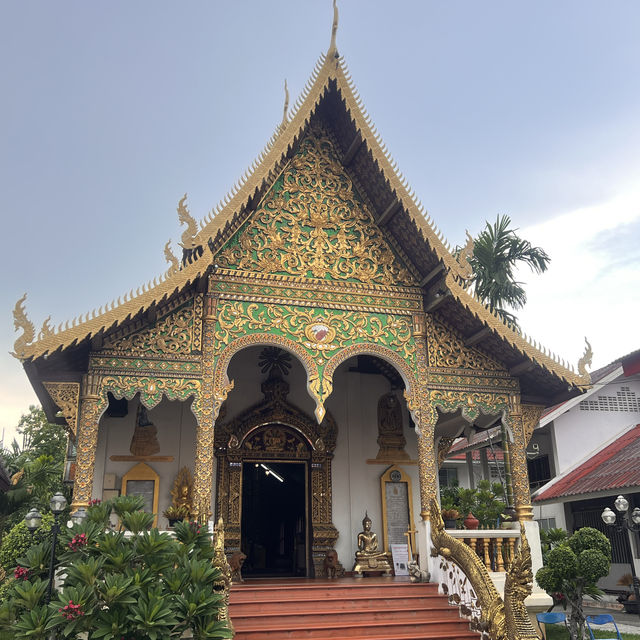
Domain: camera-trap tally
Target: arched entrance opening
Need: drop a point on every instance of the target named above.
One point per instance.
(376, 459)
(273, 486)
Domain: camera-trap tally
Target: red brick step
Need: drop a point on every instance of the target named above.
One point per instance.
(368, 608)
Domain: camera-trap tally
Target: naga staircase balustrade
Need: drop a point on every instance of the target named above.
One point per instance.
(466, 581)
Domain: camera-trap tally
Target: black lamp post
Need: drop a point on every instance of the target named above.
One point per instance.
(33, 520)
(625, 521)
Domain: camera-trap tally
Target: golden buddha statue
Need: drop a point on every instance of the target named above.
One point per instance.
(368, 557)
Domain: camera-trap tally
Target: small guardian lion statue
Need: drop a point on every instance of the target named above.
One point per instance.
(236, 562)
(416, 574)
(332, 566)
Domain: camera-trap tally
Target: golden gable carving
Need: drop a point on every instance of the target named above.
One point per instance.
(313, 224)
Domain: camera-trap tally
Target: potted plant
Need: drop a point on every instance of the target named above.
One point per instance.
(489, 503)
(449, 505)
(628, 600)
(450, 517)
(176, 514)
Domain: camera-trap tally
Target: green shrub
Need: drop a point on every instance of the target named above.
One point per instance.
(148, 586)
(16, 543)
(572, 569)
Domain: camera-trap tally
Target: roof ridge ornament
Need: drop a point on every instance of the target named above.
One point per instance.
(333, 49)
(20, 321)
(586, 359)
(189, 234)
(285, 110)
(170, 258)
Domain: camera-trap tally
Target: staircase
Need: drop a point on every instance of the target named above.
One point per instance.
(368, 608)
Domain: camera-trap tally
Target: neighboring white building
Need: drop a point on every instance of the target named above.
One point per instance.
(589, 447)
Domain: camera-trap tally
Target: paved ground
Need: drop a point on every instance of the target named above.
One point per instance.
(627, 623)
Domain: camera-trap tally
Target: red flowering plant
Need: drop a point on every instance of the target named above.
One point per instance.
(135, 583)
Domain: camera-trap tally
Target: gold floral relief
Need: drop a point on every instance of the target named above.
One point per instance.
(65, 395)
(177, 333)
(321, 332)
(447, 350)
(313, 224)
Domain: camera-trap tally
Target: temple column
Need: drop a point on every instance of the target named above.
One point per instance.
(203, 471)
(91, 407)
(425, 418)
(522, 420)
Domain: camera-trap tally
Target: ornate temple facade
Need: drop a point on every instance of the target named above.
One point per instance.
(316, 344)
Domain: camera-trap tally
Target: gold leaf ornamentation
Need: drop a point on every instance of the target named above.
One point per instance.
(151, 389)
(447, 350)
(315, 225)
(65, 395)
(175, 334)
(20, 321)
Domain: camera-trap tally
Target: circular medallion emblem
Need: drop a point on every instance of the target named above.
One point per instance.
(320, 333)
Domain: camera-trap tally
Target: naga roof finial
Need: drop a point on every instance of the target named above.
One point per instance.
(285, 110)
(189, 234)
(466, 271)
(170, 258)
(586, 359)
(20, 321)
(333, 49)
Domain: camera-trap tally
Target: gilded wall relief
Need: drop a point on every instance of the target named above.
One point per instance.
(314, 224)
(151, 389)
(314, 335)
(66, 396)
(178, 332)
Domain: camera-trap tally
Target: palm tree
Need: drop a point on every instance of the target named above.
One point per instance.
(497, 252)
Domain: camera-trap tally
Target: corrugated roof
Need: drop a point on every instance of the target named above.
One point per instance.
(615, 467)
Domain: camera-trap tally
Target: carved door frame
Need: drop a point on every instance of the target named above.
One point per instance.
(301, 440)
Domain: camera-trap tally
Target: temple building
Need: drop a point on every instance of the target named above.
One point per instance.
(309, 359)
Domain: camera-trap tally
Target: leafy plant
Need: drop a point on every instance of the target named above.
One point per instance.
(117, 584)
(571, 570)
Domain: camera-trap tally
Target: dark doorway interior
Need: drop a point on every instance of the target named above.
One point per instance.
(274, 536)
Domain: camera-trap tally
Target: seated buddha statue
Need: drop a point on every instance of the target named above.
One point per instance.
(368, 557)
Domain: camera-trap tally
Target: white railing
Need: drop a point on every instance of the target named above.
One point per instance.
(494, 547)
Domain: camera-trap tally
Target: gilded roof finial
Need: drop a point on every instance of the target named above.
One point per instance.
(463, 258)
(586, 359)
(170, 258)
(285, 116)
(333, 49)
(189, 234)
(20, 321)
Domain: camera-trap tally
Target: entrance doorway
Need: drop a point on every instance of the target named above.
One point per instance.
(274, 518)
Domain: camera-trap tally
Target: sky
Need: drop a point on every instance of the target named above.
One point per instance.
(112, 111)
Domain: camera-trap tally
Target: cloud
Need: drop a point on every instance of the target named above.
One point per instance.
(591, 288)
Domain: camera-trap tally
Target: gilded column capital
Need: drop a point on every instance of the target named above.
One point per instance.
(91, 386)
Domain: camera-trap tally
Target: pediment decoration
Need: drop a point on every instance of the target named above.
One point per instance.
(314, 224)
(448, 351)
(178, 332)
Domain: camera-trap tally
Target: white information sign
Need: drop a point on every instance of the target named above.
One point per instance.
(400, 554)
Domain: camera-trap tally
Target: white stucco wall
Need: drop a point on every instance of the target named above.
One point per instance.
(577, 432)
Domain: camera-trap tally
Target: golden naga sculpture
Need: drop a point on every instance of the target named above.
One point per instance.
(182, 496)
(517, 587)
(501, 619)
(368, 558)
(189, 234)
(586, 359)
(174, 265)
(466, 271)
(20, 321)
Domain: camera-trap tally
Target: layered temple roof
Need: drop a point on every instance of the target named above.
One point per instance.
(331, 98)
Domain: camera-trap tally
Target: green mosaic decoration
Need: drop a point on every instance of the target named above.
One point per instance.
(313, 224)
